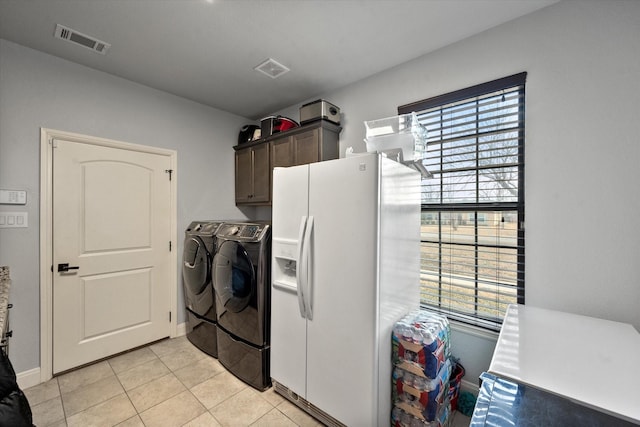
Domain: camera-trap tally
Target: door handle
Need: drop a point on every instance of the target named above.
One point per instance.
(308, 263)
(65, 267)
(301, 269)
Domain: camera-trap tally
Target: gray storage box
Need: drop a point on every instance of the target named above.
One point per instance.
(318, 110)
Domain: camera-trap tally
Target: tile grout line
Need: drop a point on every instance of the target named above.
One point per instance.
(126, 393)
(171, 372)
(64, 411)
(158, 357)
(190, 392)
(138, 413)
(124, 390)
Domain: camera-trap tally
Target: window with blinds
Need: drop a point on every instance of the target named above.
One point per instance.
(472, 250)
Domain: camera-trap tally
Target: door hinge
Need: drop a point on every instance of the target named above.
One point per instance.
(169, 171)
(169, 245)
(169, 316)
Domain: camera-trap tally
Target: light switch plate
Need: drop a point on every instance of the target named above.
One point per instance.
(14, 220)
(13, 197)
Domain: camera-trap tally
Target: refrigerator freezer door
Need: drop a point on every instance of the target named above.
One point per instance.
(288, 326)
(291, 202)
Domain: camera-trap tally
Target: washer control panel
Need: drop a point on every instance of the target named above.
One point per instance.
(204, 227)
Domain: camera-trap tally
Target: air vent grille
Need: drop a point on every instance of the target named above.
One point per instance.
(64, 33)
(272, 68)
(83, 40)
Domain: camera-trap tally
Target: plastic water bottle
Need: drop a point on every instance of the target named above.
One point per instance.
(396, 414)
(398, 374)
(408, 378)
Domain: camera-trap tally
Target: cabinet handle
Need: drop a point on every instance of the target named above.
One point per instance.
(250, 196)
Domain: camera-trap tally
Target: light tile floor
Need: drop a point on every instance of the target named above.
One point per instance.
(170, 383)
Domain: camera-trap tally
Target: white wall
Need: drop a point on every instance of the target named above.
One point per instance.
(582, 148)
(39, 90)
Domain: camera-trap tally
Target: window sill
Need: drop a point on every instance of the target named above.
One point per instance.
(475, 331)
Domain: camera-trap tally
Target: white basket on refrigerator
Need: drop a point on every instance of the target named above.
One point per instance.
(401, 138)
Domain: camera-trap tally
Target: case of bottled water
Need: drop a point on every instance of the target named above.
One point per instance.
(422, 369)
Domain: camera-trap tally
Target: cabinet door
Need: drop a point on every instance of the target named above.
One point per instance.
(307, 147)
(244, 186)
(254, 164)
(261, 174)
(282, 152)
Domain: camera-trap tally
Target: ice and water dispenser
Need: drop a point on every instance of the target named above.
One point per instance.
(285, 265)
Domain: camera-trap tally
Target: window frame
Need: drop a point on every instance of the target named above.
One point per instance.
(471, 94)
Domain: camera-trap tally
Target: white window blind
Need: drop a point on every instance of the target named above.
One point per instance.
(472, 251)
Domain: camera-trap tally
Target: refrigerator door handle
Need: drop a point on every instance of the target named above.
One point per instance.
(309, 260)
(301, 268)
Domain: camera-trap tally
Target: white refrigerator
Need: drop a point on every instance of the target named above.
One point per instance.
(345, 268)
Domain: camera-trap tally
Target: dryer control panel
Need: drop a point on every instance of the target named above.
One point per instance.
(243, 231)
(250, 231)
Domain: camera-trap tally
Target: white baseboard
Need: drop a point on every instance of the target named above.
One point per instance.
(181, 329)
(469, 386)
(28, 378)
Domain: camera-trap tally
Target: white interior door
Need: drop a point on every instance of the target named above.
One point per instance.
(111, 226)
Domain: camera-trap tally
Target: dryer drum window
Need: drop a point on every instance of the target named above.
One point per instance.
(196, 268)
(235, 278)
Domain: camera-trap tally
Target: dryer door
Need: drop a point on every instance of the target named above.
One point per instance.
(196, 275)
(234, 278)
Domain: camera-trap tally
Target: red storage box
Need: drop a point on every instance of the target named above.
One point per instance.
(454, 384)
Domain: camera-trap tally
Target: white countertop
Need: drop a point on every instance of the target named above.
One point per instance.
(592, 361)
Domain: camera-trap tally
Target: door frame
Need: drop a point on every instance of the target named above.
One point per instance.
(46, 233)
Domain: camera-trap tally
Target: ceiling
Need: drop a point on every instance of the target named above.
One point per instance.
(206, 50)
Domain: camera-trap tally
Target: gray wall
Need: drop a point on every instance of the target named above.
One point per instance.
(582, 148)
(39, 90)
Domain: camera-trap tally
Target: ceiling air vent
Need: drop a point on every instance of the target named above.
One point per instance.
(272, 68)
(83, 40)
